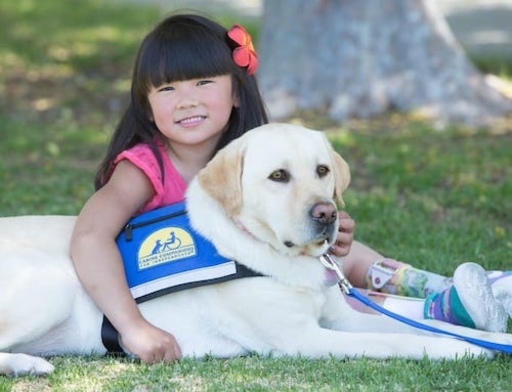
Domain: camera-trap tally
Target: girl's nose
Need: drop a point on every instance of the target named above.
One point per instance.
(187, 103)
(187, 99)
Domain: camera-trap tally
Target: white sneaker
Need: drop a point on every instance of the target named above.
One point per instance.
(501, 283)
(476, 294)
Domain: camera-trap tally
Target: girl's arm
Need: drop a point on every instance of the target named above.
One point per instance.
(99, 266)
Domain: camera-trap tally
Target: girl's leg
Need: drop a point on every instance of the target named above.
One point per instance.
(394, 277)
(366, 268)
(469, 301)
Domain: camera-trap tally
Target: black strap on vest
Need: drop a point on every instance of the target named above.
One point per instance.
(110, 336)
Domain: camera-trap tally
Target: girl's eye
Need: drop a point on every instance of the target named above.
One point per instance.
(166, 88)
(322, 170)
(280, 175)
(204, 82)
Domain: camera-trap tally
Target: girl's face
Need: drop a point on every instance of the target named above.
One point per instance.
(193, 112)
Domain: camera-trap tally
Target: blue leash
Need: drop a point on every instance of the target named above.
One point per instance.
(347, 288)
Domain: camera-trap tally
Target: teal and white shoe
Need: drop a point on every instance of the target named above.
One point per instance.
(469, 302)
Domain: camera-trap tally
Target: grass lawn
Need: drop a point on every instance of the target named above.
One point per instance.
(432, 198)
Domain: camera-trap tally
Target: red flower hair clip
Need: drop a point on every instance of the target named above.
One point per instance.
(244, 55)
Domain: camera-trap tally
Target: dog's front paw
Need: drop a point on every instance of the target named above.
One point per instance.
(23, 365)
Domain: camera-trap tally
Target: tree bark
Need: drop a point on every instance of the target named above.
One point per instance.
(361, 58)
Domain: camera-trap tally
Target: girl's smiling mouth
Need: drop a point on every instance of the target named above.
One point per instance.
(191, 120)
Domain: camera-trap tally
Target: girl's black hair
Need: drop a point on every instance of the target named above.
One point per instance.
(182, 47)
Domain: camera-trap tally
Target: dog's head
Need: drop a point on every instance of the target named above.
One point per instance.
(280, 183)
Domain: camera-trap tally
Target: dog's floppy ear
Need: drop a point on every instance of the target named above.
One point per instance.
(341, 177)
(222, 177)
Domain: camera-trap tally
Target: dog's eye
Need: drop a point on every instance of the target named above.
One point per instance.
(280, 175)
(322, 170)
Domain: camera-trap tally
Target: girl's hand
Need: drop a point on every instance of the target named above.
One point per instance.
(345, 235)
(150, 344)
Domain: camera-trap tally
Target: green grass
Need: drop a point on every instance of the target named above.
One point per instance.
(264, 374)
(433, 198)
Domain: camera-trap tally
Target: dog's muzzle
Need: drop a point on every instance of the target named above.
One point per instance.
(323, 225)
(325, 217)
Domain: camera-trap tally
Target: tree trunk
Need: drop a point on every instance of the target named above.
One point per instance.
(361, 58)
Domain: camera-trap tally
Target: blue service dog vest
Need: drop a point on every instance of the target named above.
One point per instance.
(163, 254)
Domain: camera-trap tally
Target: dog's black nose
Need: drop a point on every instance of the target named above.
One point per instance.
(324, 213)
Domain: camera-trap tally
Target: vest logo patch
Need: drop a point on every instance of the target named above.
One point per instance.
(165, 245)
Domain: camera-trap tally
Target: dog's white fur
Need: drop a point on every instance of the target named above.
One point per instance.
(254, 200)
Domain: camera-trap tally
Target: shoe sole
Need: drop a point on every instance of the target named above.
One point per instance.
(475, 292)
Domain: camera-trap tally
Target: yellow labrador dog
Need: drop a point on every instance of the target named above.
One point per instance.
(268, 201)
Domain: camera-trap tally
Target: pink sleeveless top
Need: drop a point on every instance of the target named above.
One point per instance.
(171, 190)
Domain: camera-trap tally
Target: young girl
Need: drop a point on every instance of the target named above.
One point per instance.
(188, 99)
(193, 91)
